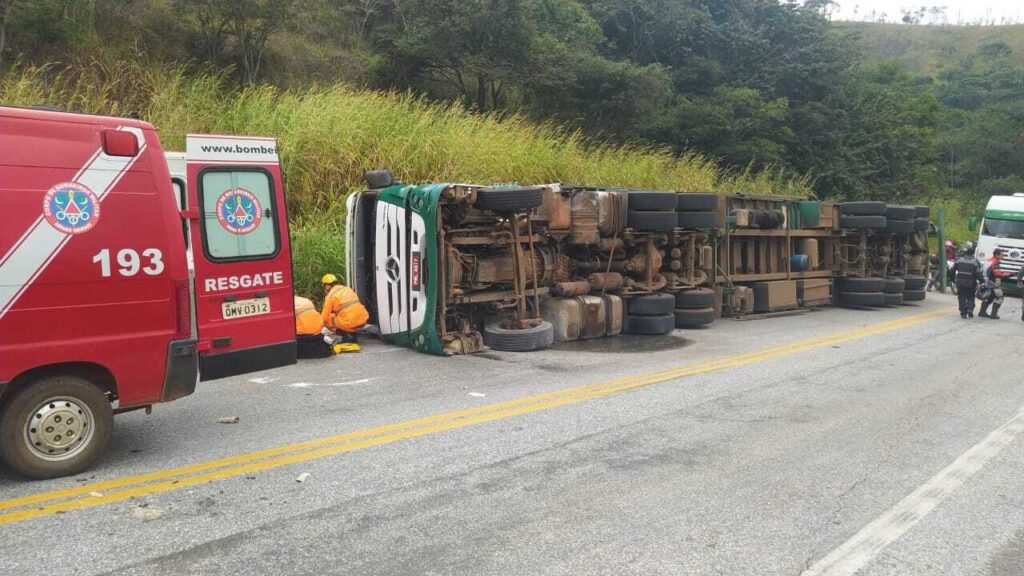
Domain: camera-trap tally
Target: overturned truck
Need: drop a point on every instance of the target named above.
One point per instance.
(454, 268)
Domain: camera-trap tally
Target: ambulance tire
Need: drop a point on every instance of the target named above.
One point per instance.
(696, 298)
(862, 209)
(913, 295)
(74, 403)
(914, 283)
(523, 340)
(690, 202)
(651, 305)
(863, 222)
(650, 201)
(651, 221)
(701, 220)
(509, 199)
(651, 325)
(691, 318)
(870, 299)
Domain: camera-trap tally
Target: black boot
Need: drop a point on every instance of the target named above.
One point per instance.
(984, 311)
(995, 311)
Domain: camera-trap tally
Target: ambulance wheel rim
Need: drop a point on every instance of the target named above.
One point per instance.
(59, 429)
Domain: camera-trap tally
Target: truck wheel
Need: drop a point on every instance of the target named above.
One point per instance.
(508, 199)
(525, 340)
(689, 318)
(894, 299)
(696, 298)
(922, 211)
(894, 285)
(894, 212)
(873, 299)
(651, 305)
(870, 284)
(865, 222)
(900, 226)
(921, 225)
(690, 202)
(642, 200)
(914, 283)
(651, 325)
(862, 208)
(651, 221)
(913, 295)
(702, 220)
(55, 427)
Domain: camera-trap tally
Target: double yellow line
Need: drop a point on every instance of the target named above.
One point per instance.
(120, 489)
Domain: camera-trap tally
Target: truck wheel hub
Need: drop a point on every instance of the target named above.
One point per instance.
(59, 429)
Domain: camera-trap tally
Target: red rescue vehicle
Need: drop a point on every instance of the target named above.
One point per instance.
(119, 288)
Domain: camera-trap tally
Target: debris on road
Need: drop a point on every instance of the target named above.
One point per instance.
(302, 477)
(96, 494)
(477, 395)
(148, 513)
(228, 420)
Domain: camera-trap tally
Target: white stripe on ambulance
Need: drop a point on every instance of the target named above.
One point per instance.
(244, 281)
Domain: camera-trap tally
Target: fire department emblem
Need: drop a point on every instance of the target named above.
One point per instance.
(239, 211)
(71, 208)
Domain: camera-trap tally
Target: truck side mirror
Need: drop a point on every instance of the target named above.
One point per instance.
(973, 224)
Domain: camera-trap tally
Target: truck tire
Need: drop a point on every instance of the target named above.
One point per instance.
(894, 285)
(921, 225)
(525, 340)
(696, 298)
(914, 283)
(692, 317)
(651, 305)
(913, 295)
(651, 325)
(701, 220)
(869, 284)
(865, 222)
(895, 212)
(894, 299)
(55, 427)
(690, 202)
(900, 226)
(649, 201)
(862, 209)
(651, 221)
(922, 211)
(509, 199)
(872, 299)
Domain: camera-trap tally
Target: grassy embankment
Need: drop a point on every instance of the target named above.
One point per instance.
(328, 135)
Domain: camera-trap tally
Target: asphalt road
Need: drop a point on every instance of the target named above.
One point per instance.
(882, 442)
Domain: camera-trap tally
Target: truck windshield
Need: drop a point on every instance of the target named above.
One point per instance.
(1003, 228)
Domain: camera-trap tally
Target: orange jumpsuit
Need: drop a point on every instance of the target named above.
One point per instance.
(343, 311)
(307, 319)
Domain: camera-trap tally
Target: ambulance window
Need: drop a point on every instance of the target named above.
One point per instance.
(239, 216)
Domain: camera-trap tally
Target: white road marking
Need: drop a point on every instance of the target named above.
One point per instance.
(477, 394)
(889, 527)
(311, 384)
(262, 380)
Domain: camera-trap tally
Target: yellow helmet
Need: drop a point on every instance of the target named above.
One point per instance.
(329, 279)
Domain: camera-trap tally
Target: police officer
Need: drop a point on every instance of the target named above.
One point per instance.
(967, 275)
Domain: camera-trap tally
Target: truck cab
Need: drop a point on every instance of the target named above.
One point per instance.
(121, 286)
(1003, 227)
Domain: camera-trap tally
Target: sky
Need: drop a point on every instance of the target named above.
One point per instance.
(964, 11)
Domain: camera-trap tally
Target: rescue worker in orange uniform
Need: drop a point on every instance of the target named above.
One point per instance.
(308, 321)
(343, 314)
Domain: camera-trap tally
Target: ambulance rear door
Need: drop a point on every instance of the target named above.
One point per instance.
(243, 273)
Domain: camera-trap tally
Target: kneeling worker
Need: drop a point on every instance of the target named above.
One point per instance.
(343, 314)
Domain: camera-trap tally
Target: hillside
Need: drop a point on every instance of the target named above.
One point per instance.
(930, 49)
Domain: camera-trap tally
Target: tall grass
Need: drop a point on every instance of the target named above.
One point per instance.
(329, 135)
